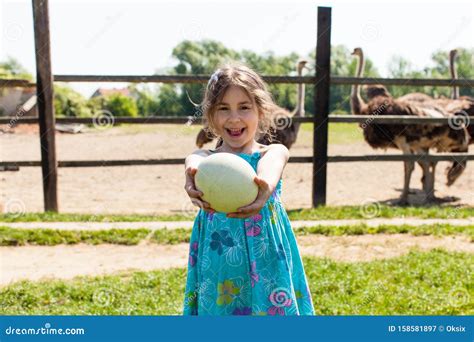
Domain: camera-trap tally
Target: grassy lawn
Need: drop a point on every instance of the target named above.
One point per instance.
(51, 237)
(321, 213)
(380, 211)
(429, 283)
(339, 133)
(180, 129)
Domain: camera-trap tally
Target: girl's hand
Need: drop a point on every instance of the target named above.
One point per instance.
(193, 193)
(264, 193)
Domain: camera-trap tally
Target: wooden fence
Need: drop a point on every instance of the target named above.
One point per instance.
(320, 120)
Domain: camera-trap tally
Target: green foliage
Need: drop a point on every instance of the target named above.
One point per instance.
(203, 57)
(118, 105)
(170, 102)
(400, 67)
(70, 103)
(147, 100)
(11, 68)
(51, 237)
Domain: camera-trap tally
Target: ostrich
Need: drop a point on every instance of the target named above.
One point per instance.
(286, 130)
(410, 139)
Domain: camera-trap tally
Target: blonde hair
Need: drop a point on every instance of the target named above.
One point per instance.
(242, 76)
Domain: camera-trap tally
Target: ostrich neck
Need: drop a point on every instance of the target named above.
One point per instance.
(454, 76)
(299, 110)
(356, 99)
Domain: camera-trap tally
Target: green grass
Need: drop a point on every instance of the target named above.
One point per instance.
(51, 237)
(66, 217)
(175, 129)
(434, 229)
(319, 213)
(338, 134)
(380, 211)
(419, 283)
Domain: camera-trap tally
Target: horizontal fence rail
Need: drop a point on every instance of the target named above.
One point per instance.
(452, 157)
(268, 79)
(5, 82)
(368, 119)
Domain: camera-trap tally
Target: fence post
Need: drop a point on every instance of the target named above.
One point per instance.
(321, 106)
(44, 89)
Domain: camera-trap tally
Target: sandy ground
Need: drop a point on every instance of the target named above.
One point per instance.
(159, 189)
(66, 262)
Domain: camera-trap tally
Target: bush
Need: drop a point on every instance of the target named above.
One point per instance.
(117, 104)
(70, 103)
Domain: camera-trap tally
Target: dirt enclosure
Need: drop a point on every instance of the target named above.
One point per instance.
(159, 189)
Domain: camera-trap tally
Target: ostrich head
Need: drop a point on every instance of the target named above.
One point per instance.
(357, 52)
(299, 110)
(300, 66)
(453, 54)
(357, 103)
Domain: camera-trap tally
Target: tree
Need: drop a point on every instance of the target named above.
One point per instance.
(11, 68)
(400, 67)
(464, 67)
(147, 100)
(196, 58)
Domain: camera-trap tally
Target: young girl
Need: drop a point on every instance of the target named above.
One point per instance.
(247, 262)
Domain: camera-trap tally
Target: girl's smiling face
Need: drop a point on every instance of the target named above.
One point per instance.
(236, 118)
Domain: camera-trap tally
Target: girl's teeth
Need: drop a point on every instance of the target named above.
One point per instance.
(235, 132)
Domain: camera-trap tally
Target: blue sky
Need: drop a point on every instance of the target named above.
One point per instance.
(136, 37)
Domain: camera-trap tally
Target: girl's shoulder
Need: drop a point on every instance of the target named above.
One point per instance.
(265, 148)
(202, 152)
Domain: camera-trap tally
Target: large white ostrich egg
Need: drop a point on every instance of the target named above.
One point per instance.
(227, 182)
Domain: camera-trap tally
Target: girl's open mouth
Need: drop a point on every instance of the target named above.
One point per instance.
(235, 132)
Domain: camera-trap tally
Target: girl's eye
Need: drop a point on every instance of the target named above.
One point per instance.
(245, 108)
(223, 108)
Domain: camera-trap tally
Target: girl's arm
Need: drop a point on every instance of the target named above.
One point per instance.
(271, 165)
(190, 165)
(269, 171)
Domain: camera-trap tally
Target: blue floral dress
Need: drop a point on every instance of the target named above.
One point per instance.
(246, 266)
